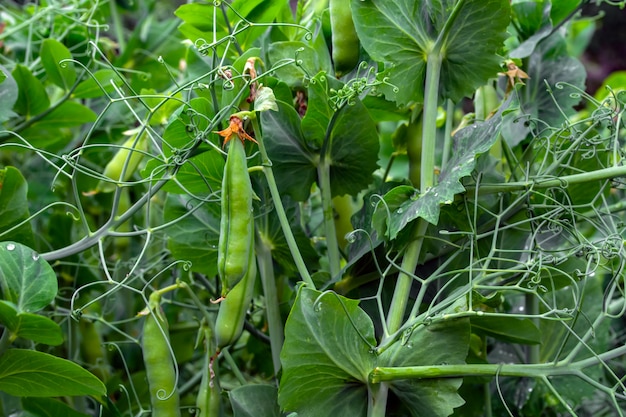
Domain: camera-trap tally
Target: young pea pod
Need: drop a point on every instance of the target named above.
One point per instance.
(208, 402)
(160, 367)
(344, 37)
(237, 222)
(233, 308)
(132, 150)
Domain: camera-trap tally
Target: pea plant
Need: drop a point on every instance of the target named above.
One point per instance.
(309, 208)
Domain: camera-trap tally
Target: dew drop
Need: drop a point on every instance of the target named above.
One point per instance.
(10, 246)
(480, 313)
(35, 256)
(400, 210)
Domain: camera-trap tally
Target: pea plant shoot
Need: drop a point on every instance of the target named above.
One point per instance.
(307, 208)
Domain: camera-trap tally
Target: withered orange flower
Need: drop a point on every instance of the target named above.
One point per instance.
(514, 74)
(235, 127)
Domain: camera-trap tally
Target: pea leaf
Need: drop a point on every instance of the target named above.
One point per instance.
(32, 98)
(402, 34)
(404, 204)
(8, 94)
(28, 373)
(26, 279)
(49, 407)
(508, 329)
(14, 207)
(195, 233)
(67, 114)
(326, 357)
(30, 326)
(56, 59)
(100, 83)
(441, 343)
(295, 146)
(254, 401)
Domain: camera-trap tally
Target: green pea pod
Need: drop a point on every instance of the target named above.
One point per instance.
(237, 220)
(344, 38)
(132, 150)
(160, 368)
(208, 402)
(233, 308)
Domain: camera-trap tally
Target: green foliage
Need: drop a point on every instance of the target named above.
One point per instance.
(414, 259)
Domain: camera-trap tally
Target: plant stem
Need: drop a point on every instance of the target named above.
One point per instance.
(377, 405)
(278, 205)
(563, 182)
(332, 246)
(447, 137)
(427, 180)
(266, 271)
(532, 309)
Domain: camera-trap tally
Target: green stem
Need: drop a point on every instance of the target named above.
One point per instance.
(117, 26)
(447, 137)
(332, 246)
(233, 366)
(377, 404)
(381, 374)
(562, 182)
(532, 308)
(278, 205)
(427, 180)
(275, 324)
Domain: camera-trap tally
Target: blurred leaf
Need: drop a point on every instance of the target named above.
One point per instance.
(265, 100)
(30, 326)
(102, 82)
(8, 94)
(279, 52)
(28, 373)
(63, 73)
(32, 98)
(67, 114)
(26, 279)
(402, 34)
(254, 401)
(14, 207)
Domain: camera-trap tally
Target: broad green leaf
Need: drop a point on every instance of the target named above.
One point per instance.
(532, 21)
(195, 233)
(403, 34)
(8, 94)
(353, 148)
(404, 204)
(32, 98)
(14, 207)
(26, 279)
(327, 356)
(437, 344)
(254, 401)
(100, 83)
(508, 329)
(293, 160)
(50, 407)
(63, 73)
(28, 373)
(318, 112)
(562, 8)
(30, 326)
(67, 114)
